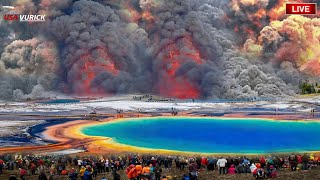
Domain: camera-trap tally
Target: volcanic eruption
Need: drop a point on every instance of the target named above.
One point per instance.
(180, 49)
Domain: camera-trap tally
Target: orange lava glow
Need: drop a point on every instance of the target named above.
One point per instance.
(312, 67)
(135, 16)
(170, 84)
(147, 16)
(178, 88)
(251, 33)
(256, 18)
(89, 67)
(278, 11)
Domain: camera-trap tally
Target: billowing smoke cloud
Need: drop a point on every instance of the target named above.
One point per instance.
(296, 39)
(100, 52)
(212, 64)
(27, 67)
(248, 17)
(50, 8)
(180, 48)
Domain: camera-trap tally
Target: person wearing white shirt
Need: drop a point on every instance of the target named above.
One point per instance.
(79, 163)
(107, 165)
(221, 163)
(253, 167)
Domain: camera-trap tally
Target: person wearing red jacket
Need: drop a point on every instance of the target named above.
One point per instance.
(299, 159)
(272, 172)
(232, 170)
(64, 172)
(41, 162)
(131, 172)
(23, 172)
(204, 162)
(262, 161)
(1, 166)
(138, 170)
(33, 168)
(259, 172)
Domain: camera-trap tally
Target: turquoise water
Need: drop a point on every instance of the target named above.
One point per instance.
(212, 135)
(61, 101)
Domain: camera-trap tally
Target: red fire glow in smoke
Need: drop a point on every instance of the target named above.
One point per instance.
(134, 16)
(91, 62)
(170, 84)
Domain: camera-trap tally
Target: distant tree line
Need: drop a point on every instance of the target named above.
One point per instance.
(309, 88)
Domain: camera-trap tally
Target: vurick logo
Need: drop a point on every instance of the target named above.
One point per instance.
(13, 16)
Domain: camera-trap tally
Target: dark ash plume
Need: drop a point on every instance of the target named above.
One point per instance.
(180, 48)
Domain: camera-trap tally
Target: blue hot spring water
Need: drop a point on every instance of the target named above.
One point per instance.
(212, 135)
(61, 101)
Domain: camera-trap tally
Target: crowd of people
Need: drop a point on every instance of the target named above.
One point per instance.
(147, 167)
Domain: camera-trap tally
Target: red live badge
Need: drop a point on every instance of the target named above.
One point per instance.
(301, 8)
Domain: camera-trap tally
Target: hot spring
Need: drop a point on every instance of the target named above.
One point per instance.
(212, 135)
